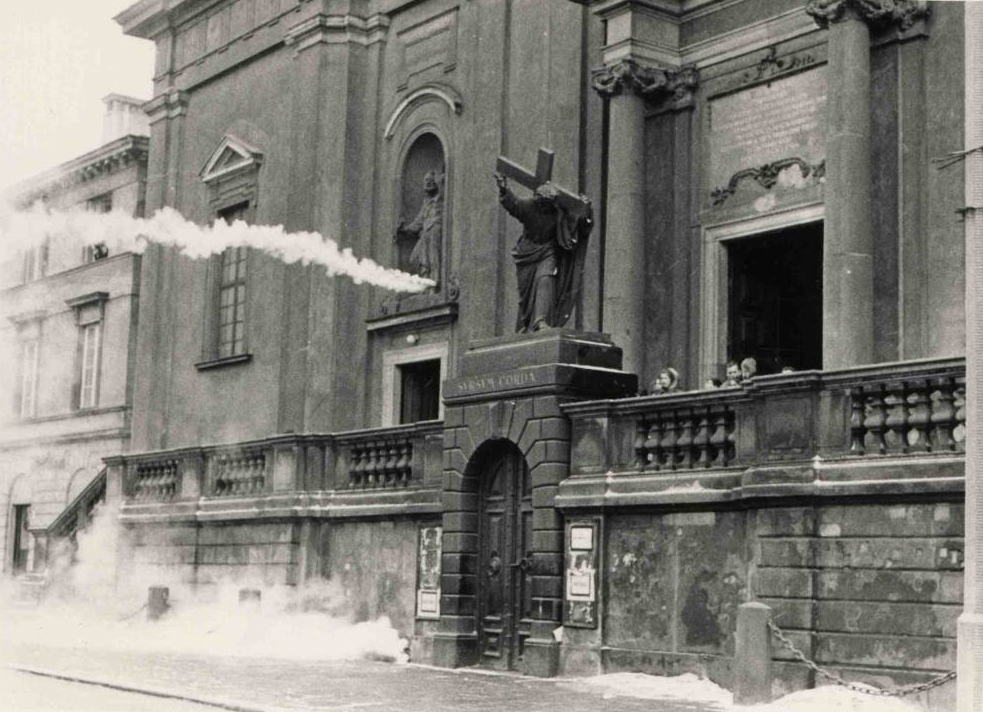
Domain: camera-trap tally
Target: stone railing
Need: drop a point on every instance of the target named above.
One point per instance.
(400, 457)
(908, 415)
(237, 472)
(675, 436)
(390, 457)
(796, 433)
(155, 481)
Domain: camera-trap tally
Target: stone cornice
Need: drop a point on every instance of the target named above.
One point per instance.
(169, 105)
(331, 29)
(653, 83)
(122, 152)
(876, 13)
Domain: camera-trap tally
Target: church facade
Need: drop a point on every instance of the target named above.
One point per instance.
(762, 184)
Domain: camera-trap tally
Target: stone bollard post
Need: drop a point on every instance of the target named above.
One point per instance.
(249, 598)
(752, 657)
(157, 603)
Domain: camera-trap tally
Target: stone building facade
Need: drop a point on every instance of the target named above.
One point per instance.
(763, 185)
(69, 320)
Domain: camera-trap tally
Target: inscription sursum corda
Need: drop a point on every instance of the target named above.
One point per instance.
(768, 122)
(501, 381)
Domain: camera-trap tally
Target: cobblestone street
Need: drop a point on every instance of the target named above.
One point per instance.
(253, 684)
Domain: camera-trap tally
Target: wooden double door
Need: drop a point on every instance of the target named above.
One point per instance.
(505, 560)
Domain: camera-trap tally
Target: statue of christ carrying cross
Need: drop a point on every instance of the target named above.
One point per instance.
(549, 256)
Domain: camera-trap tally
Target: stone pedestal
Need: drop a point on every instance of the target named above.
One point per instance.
(509, 394)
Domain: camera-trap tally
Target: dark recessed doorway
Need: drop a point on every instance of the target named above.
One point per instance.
(775, 298)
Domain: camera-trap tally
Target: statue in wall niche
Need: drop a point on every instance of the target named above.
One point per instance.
(549, 256)
(426, 229)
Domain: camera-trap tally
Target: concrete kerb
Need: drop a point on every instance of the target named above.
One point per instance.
(149, 691)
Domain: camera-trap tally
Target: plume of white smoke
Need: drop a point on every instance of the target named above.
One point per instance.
(23, 229)
(86, 607)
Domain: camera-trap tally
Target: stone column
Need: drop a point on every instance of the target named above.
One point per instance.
(848, 283)
(628, 85)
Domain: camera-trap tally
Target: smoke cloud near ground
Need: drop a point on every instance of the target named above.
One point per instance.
(86, 607)
(23, 229)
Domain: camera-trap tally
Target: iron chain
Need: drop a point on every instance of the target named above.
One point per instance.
(900, 691)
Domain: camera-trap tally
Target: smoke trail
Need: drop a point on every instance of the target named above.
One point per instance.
(21, 229)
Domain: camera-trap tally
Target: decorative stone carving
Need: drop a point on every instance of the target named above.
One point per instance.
(767, 176)
(877, 13)
(649, 82)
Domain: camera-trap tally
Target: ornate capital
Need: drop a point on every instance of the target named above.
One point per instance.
(876, 13)
(648, 82)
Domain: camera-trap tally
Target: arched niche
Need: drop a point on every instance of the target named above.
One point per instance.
(420, 244)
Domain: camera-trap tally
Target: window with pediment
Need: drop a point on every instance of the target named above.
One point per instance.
(231, 177)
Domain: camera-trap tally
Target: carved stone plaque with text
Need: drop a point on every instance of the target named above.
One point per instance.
(785, 118)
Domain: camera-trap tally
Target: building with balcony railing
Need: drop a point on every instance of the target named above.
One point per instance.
(763, 185)
(68, 320)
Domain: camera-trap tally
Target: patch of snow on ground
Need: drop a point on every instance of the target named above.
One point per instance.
(831, 698)
(700, 691)
(687, 687)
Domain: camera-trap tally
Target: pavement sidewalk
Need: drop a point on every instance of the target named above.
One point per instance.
(267, 685)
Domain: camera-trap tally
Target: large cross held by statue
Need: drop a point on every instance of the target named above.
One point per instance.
(576, 204)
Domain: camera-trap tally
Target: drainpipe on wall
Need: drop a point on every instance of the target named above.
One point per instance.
(970, 630)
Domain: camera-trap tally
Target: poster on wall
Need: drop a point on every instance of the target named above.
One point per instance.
(580, 590)
(428, 573)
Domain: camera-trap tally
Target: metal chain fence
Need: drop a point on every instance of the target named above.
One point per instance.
(899, 691)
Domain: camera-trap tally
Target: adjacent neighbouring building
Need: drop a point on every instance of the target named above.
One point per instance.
(67, 327)
(763, 181)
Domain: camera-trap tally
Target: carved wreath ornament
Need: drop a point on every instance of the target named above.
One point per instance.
(877, 13)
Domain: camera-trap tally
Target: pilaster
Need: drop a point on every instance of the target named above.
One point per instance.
(630, 86)
(848, 251)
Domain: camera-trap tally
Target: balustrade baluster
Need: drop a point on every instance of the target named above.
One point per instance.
(943, 416)
(876, 417)
(641, 457)
(718, 440)
(959, 401)
(730, 427)
(404, 466)
(858, 430)
(702, 440)
(371, 465)
(653, 444)
(896, 422)
(667, 446)
(356, 467)
(919, 417)
(684, 445)
(392, 472)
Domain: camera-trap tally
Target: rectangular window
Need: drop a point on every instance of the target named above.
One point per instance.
(90, 336)
(419, 391)
(28, 378)
(100, 204)
(22, 538)
(35, 261)
(231, 282)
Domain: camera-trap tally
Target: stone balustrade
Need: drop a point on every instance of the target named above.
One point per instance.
(155, 481)
(404, 457)
(887, 428)
(681, 437)
(238, 472)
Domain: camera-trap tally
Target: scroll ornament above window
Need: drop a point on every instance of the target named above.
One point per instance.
(769, 175)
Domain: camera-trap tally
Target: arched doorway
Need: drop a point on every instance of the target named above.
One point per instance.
(504, 557)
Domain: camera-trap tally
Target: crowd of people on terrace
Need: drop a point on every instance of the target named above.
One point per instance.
(735, 376)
